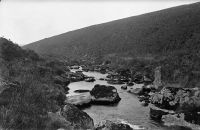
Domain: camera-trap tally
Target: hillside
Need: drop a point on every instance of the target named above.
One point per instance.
(154, 34)
(29, 88)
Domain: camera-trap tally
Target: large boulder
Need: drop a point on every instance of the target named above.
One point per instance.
(79, 119)
(181, 100)
(102, 94)
(165, 98)
(56, 121)
(112, 125)
(157, 113)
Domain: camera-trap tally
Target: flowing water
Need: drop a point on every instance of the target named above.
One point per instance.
(128, 110)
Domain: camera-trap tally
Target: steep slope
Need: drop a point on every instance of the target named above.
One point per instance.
(158, 33)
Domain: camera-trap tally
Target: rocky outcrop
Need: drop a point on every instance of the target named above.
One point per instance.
(102, 94)
(78, 119)
(112, 125)
(157, 77)
(181, 100)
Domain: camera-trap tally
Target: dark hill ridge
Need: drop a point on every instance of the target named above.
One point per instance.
(154, 34)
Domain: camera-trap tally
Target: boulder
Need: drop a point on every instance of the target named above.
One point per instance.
(130, 83)
(102, 79)
(138, 78)
(56, 121)
(157, 113)
(102, 94)
(112, 125)
(75, 77)
(79, 119)
(176, 121)
(136, 91)
(165, 98)
(74, 67)
(90, 79)
(81, 100)
(124, 87)
(157, 77)
(81, 91)
(115, 81)
(181, 100)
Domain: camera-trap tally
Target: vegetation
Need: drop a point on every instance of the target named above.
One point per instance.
(168, 38)
(30, 92)
(149, 36)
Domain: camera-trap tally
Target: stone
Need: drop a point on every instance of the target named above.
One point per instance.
(124, 87)
(79, 119)
(157, 77)
(102, 94)
(112, 125)
(56, 121)
(81, 91)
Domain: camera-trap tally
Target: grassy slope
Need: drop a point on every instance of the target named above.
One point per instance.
(155, 34)
(30, 91)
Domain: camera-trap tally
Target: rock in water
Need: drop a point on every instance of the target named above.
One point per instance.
(124, 87)
(156, 113)
(79, 119)
(102, 94)
(81, 91)
(110, 125)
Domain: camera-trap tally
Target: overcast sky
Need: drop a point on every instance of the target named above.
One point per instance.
(26, 21)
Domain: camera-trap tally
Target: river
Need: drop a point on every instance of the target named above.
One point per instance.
(128, 110)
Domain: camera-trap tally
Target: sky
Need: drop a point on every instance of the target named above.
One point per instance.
(26, 21)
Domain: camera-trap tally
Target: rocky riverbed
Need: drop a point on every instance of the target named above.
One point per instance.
(129, 109)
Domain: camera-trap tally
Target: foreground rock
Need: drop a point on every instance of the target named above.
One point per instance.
(111, 125)
(177, 120)
(180, 100)
(81, 100)
(79, 119)
(56, 121)
(102, 94)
